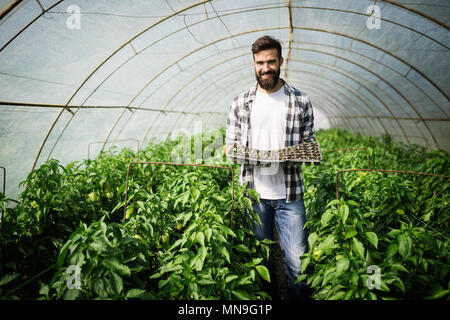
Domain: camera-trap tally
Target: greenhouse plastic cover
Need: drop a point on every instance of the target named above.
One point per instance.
(80, 76)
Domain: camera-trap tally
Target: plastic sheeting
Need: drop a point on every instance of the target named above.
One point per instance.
(83, 75)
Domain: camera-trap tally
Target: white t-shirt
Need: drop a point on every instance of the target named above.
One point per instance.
(268, 131)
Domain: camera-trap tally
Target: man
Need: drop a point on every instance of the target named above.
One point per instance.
(270, 116)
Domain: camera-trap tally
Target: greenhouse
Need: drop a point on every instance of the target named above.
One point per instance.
(116, 182)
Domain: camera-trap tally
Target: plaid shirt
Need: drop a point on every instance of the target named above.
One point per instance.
(299, 128)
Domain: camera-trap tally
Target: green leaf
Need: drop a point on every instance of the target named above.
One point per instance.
(342, 266)
(372, 238)
(301, 278)
(326, 217)
(399, 284)
(117, 283)
(304, 264)
(404, 245)
(8, 278)
(220, 198)
(326, 244)
(372, 296)
(332, 203)
(253, 194)
(225, 253)
(391, 250)
(348, 295)
(208, 234)
(206, 282)
(196, 195)
(426, 217)
(201, 238)
(71, 294)
(353, 203)
(255, 216)
(177, 243)
(254, 262)
(337, 296)
(134, 293)
(263, 272)
(399, 267)
(96, 245)
(186, 217)
(358, 247)
(98, 287)
(231, 278)
(438, 293)
(185, 198)
(343, 212)
(141, 206)
(312, 238)
(240, 234)
(241, 295)
(329, 274)
(242, 248)
(350, 233)
(63, 253)
(114, 265)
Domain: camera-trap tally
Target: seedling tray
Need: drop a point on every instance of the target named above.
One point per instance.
(303, 152)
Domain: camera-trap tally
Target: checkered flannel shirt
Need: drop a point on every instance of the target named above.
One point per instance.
(299, 128)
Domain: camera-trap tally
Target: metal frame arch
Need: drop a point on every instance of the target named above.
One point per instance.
(345, 75)
(333, 88)
(347, 98)
(318, 90)
(320, 52)
(100, 65)
(356, 94)
(341, 57)
(58, 117)
(382, 19)
(317, 106)
(369, 70)
(341, 34)
(11, 7)
(188, 82)
(148, 130)
(223, 92)
(196, 50)
(373, 60)
(366, 68)
(406, 100)
(235, 35)
(290, 6)
(238, 81)
(397, 4)
(381, 49)
(341, 71)
(165, 83)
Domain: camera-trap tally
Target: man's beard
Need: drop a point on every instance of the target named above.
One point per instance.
(269, 83)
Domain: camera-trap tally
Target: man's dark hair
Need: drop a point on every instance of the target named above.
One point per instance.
(265, 43)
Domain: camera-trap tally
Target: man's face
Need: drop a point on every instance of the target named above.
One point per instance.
(267, 68)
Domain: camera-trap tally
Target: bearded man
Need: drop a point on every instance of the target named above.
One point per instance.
(273, 115)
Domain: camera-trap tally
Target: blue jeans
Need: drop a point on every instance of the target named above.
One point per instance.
(289, 219)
